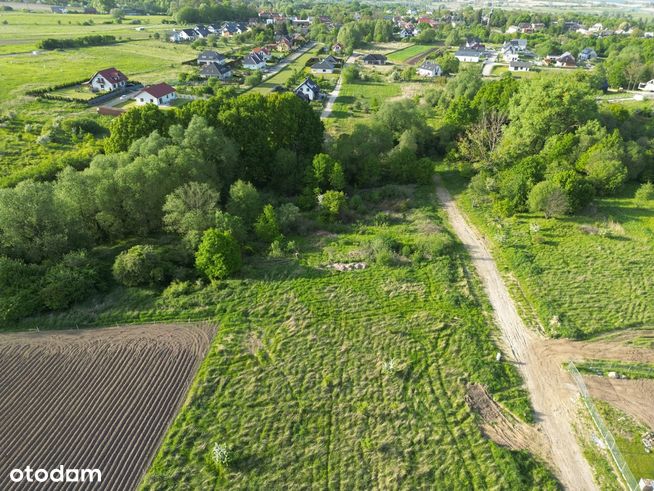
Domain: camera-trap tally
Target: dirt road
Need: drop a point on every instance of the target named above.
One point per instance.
(552, 392)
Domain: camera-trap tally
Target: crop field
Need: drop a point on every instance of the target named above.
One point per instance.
(584, 275)
(406, 54)
(93, 399)
(354, 379)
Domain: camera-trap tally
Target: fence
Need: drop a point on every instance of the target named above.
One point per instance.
(627, 475)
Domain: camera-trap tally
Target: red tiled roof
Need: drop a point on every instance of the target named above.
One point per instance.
(158, 90)
(112, 75)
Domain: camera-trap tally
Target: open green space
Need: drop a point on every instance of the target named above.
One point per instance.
(368, 94)
(348, 379)
(624, 369)
(583, 274)
(407, 53)
(287, 72)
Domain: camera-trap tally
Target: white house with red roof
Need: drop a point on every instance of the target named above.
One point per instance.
(159, 94)
(107, 80)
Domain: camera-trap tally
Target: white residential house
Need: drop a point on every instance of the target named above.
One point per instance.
(159, 95)
(187, 35)
(430, 69)
(308, 90)
(254, 62)
(468, 55)
(263, 53)
(107, 80)
(519, 66)
(324, 66)
(510, 53)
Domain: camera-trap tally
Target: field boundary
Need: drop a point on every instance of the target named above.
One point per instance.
(607, 436)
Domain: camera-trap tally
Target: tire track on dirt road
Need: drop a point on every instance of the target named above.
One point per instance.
(552, 393)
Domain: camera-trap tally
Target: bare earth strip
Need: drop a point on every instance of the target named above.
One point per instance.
(552, 393)
(93, 399)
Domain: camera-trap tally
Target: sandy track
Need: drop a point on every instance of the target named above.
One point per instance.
(98, 399)
(552, 392)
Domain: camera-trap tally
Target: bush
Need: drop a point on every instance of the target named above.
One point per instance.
(606, 174)
(331, 204)
(549, 198)
(645, 193)
(19, 284)
(287, 217)
(138, 266)
(218, 256)
(72, 279)
(580, 191)
(267, 227)
(230, 224)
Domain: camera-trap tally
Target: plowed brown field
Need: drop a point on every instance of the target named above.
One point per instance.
(93, 399)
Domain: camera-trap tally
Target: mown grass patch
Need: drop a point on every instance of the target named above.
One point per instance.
(583, 275)
(349, 380)
(367, 94)
(623, 369)
(405, 54)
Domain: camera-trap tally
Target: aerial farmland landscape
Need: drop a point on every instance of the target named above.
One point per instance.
(326, 245)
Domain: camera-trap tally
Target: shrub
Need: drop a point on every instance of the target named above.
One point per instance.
(549, 198)
(72, 279)
(287, 217)
(19, 284)
(645, 193)
(231, 224)
(244, 202)
(267, 227)
(139, 265)
(606, 174)
(331, 204)
(579, 190)
(218, 256)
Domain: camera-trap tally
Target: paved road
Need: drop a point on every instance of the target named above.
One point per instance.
(553, 396)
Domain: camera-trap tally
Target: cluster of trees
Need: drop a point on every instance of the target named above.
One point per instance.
(542, 145)
(81, 42)
(354, 34)
(205, 12)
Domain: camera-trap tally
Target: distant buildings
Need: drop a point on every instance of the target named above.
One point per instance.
(374, 59)
(430, 69)
(207, 57)
(468, 55)
(519, 66)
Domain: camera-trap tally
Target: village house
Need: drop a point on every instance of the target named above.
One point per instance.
(216, 70)
(263, 53)
(254, 62)
(159, 95)
(201, 31)
(284, 44)
(107, 80)
(337, 48)
(430, 69)
(468, 55)
(519, 66)
(510, 53)
(566, 60)
(211, 57)
(323, 66)
(518, 44)
(183, 35)
(374, 59)
(308, 90)
(587, 54)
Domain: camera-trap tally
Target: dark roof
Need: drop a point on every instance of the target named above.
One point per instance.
(308, 82)
(203, 31)
(189, 32)
(519, 64)
(214, 69)
(210, 56)
(468, 52)
(323, 65)
(429, 65)
(253, 59)
(111, 75)
(374, 57)
(158, 90)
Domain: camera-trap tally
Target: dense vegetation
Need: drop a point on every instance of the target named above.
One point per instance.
(80, 42)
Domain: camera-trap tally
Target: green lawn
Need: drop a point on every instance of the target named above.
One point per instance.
(352, 380)
(367, 93)
(499, 70)
(405, 54)
(625, 369)
(585, 274)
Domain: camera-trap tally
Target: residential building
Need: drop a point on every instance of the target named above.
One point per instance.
(430, 69)
(254, 62)
(211, 57)
(308, 90)
(519, 66)
(468, 55)
(159, 94)
(107, 80)
(374, 59)
(587, 54)
(323, 66)
(216, 70)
